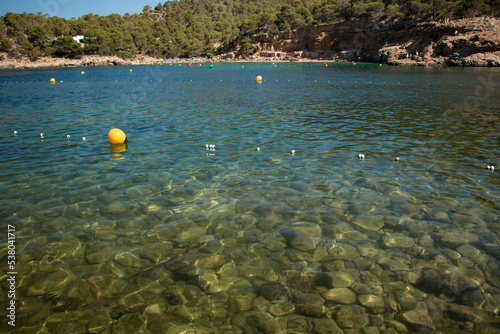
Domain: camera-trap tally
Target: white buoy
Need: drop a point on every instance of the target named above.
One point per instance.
(15, 132)
(397, 159)
(293, 151)
(489, 167)
(84, 139)
(492, 168)
(41, 134)
(68, 136)
(206, 146)
(258, 149)
(361, 156)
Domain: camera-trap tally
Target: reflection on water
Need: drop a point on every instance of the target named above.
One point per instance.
(231, 239)
(117, 151)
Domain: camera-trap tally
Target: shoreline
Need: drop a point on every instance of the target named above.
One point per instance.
(475, 60)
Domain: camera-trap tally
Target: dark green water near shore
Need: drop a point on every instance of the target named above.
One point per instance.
(165, 235)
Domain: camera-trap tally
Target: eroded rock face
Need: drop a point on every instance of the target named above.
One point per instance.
(397, 43)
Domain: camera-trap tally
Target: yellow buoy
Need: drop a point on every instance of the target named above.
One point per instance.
(52, 80)
(130, 70)
(116, 136)
(83, 72)
(259, 78)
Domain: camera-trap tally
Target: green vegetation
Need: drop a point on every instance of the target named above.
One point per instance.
(187, 28)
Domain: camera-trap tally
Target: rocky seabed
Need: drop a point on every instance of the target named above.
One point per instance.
(198, 263)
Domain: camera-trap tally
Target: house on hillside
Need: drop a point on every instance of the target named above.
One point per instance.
(79, 39)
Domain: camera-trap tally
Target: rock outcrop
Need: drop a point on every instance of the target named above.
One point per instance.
(86, 61)
(464, 42)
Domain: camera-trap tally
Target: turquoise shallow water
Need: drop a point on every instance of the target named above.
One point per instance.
(163, 235)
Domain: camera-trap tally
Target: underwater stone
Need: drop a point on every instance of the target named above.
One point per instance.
(468, 251)
(281, 309)
(274, 292)
(361, 288)
(155, 311)
(37, 312)
(308, 299)
(426, 240)
(343, 251)
(212, 261)
(132, 303)
(340, 279)
(99, 323)
(398, 326)
(104, 255)
(128, 259)
(314, 311)
(393, 264)
(262, 322)
(326, 326)
(191, 313)
(155, 251)
(298, 323)
(367, 251)
(373, 303)
(228, 273)
(352, 316)
(43, 284)
(419, 317)
(398, 241)
(302, 237)
(240, 304)
(371, 223)
(340, 295)
(208, 281)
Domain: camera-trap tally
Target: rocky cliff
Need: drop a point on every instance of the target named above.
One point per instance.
(464, 42)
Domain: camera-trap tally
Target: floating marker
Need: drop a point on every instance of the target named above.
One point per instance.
(52, 80)
(83, 72)
(397, 159)
(258, 78)
(116, 136)
(130, 70)
(68, 136)
(84, 139)
(361, 156)
(15, 132)
(293, 151)
(258, 149)
(41, 134)
(211, 66)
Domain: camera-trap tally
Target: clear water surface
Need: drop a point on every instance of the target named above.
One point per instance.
(162, 235)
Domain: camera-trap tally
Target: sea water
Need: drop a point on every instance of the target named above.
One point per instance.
(338, 196)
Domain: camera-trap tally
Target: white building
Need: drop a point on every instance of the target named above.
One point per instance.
(79, 38)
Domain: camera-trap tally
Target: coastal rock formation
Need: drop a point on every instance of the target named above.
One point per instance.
(463, 42)
(86, 61)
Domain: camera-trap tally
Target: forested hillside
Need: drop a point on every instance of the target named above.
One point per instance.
(188, 28)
